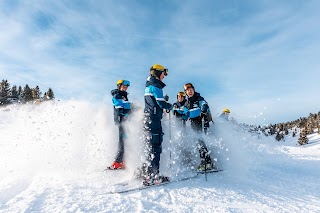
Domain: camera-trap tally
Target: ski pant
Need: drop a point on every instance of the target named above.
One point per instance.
(203, 151)
(196, 125)
(153, 137)
(119, 157)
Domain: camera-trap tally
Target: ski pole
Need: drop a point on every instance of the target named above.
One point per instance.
(166, 98)
(205, 168)
(170, 138)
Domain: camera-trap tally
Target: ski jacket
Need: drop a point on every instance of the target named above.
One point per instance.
(178, 109)
(197, 108)
(121, 105)
(196, 105)
(153, 98)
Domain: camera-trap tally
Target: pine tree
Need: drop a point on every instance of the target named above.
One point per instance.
(272, 129)
(279, 136)
(4, 92)
(14, 92)
(309, 129)
(49, 95)
(20, 94)
(303, 139)
(36, 94)
(286, 131)
(27, 94)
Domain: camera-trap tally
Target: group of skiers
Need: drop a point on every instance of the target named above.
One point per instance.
(190, 105)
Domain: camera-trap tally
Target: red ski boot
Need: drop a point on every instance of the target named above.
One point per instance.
(116, 165)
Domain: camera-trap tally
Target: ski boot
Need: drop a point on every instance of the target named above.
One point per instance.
(156, 180)
(205, 166)
(116, 166)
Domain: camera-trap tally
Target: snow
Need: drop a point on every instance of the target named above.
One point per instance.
(52, 158)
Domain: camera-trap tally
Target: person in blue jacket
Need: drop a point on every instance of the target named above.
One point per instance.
(122, 109)
(178, 107)
(155, 104)
(197, 109)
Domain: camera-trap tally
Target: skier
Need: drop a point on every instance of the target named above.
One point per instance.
(185, 154)
(178, 107)
(153, 135)
(196, 108)
(122, 109)
(225, 115)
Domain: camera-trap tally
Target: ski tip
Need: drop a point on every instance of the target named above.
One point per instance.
(108, 168)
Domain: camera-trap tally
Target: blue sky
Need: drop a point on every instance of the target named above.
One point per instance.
(258, 58)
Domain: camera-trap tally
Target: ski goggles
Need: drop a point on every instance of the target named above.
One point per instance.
(165, 71)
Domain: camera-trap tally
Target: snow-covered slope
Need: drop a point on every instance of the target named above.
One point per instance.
(52, 157)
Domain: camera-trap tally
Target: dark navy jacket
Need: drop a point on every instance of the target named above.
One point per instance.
(153, 98)
(121, 105)
(195, 105)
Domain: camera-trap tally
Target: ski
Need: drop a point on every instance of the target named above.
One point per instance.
(207, 171)
(109, 168)
(142, 187)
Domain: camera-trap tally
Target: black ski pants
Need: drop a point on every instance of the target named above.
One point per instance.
(153, 137)
(196, 125)
(120, 154)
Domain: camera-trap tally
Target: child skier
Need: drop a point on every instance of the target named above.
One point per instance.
(196, 108)
(122, 109)
(178, 107)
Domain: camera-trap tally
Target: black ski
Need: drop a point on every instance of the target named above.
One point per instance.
(207, 171)
(141, 187)
(109, 168)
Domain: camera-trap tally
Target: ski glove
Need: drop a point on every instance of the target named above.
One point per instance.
(169, 107)
(166, 98)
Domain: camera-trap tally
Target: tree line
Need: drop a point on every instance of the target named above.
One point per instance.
(302, 126)
(14, 94)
